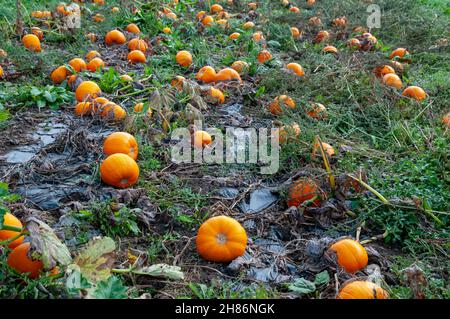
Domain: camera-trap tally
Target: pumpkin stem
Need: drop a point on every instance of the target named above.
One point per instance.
(221, 239)
(124, 181)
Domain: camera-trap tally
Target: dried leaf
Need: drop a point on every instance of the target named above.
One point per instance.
(96, 259)
(161, 270)
(44, 241)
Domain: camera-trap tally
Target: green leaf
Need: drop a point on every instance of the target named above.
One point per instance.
(161, 270)
(44, 241)
(35, 91)
(41, 103)
(322, 278)
(49, 97)
(302, 286)
(75, 282)
(96, 259)
(110, 289)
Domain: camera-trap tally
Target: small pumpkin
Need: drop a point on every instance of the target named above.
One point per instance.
(322, 36)
(18, 260)
(228, 74)
(295, 68)
(206, 74)
(112, 111)
(95, 64)
(216, 95)
(362, 290)
(234, 36)
(314, 21)
(252, 5)
(351, 255)
(133, 28)
(258, 36)
(121, 142)
(84, 108)
(240, 67)
(171, 16)
(167, 30)
(221, 239)
(303, 190)
(295, 32)
(317, 111)
(200, 15)
(137, 44)
(87, 89)
(294, 9)
(136, 56)
(415, 92)
(216, 8)
(330, 49)
(280, 102)
(248, 25)
(207, 21)
(328, 149)
(98, 17)
(201, 139)
(184, 58)
(119, 170)
(401, 54)
(354, 43)
(11, 220)
(178, 82)
(1, 72)
(78, 64)
(92, 37)
(392, 80)
(287, 132)
(59, 74)
(115, 37)
(126, 78)
(115, 9)
(382, 70)
(92, 54)
(31, 42)
(38, 32)
(264, 56)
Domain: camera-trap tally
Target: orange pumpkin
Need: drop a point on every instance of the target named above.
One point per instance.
(362, 290)
(184, 58)
(392, 80)
(59, 74)
(280, 102)
(322, 36)
(215, 8)
(221, 239)
(178, 82)
(133, 28)
(328, 149)
(295, 68)
(253, 5)
(37, 32)
(167, 30)
(126, 78)
(351, 255)
(314, 21)
(303, 190)
(240, 67)
(121, 142)
(86, 90)
(136, 56)
(415, 92)
(206, 74)
(216, 95)
(354, 43)
(330, 49)
(207, 21)
(446, 120)
(11, 220)
(258, 36)
(1, 72)
(287, 132)
(383, 70)
(84, 108)
(92, 37)
(18, 260)
(294, 9)
(248, 25)
(98, 18)
(115, 9)
(228, 74)
(401, 54)
(112, 111)
(234, 36)
(264, 56)
(201, 15)
(295, 32)
(77, 64)
(119, 170)
(92, 54)
(317, 111)
(31, 42)
(201, 139)
(115, 37)
(137, 44)
(95, 64)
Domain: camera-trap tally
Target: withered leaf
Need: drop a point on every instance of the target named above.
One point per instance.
(96, 259)
(44, 241)
(161, 270)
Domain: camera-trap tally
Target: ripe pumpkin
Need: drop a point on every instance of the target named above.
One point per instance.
(362, 290)
(330, 49)
(11, 220)
(172, 16)
(115, 9)
(215, 8)
(415, 92)
(248, 25)
(137, 44)
(339, 22)
(112, 111)
(295, 32)
(317, 111)
(207, 21)
(37, 32)
(99, 102)
(206, 74)
(295, 68)
(119, 170)
(18, 260)
(78, 64)
(234, 36)
(178, 82)
(382, 70)
(310, 3)
(221, 239)
(446, 119)
(201, 139)
(228, 74)
(264, 56)
(201, 15)
(216, 95)
(184, 58)
(392, 80)
(322, 36)
(92, 37)
(98, 18)
(351, 255)
(121, 142)
(294, 9)
(303, 190)
(288, 132)
(1, 72)
(400, 54)
(31, 42)
(223, 15)
(92, 54)
(133, 28)
(84, 108)
(328, 149)
(115, 37)
(59, 74)
(136, 56)
(167, 30)
(314, 21)
(95, 64)
(258, 36)
(240, 67)
(277, 105)
(87, 90)
(252, 5)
